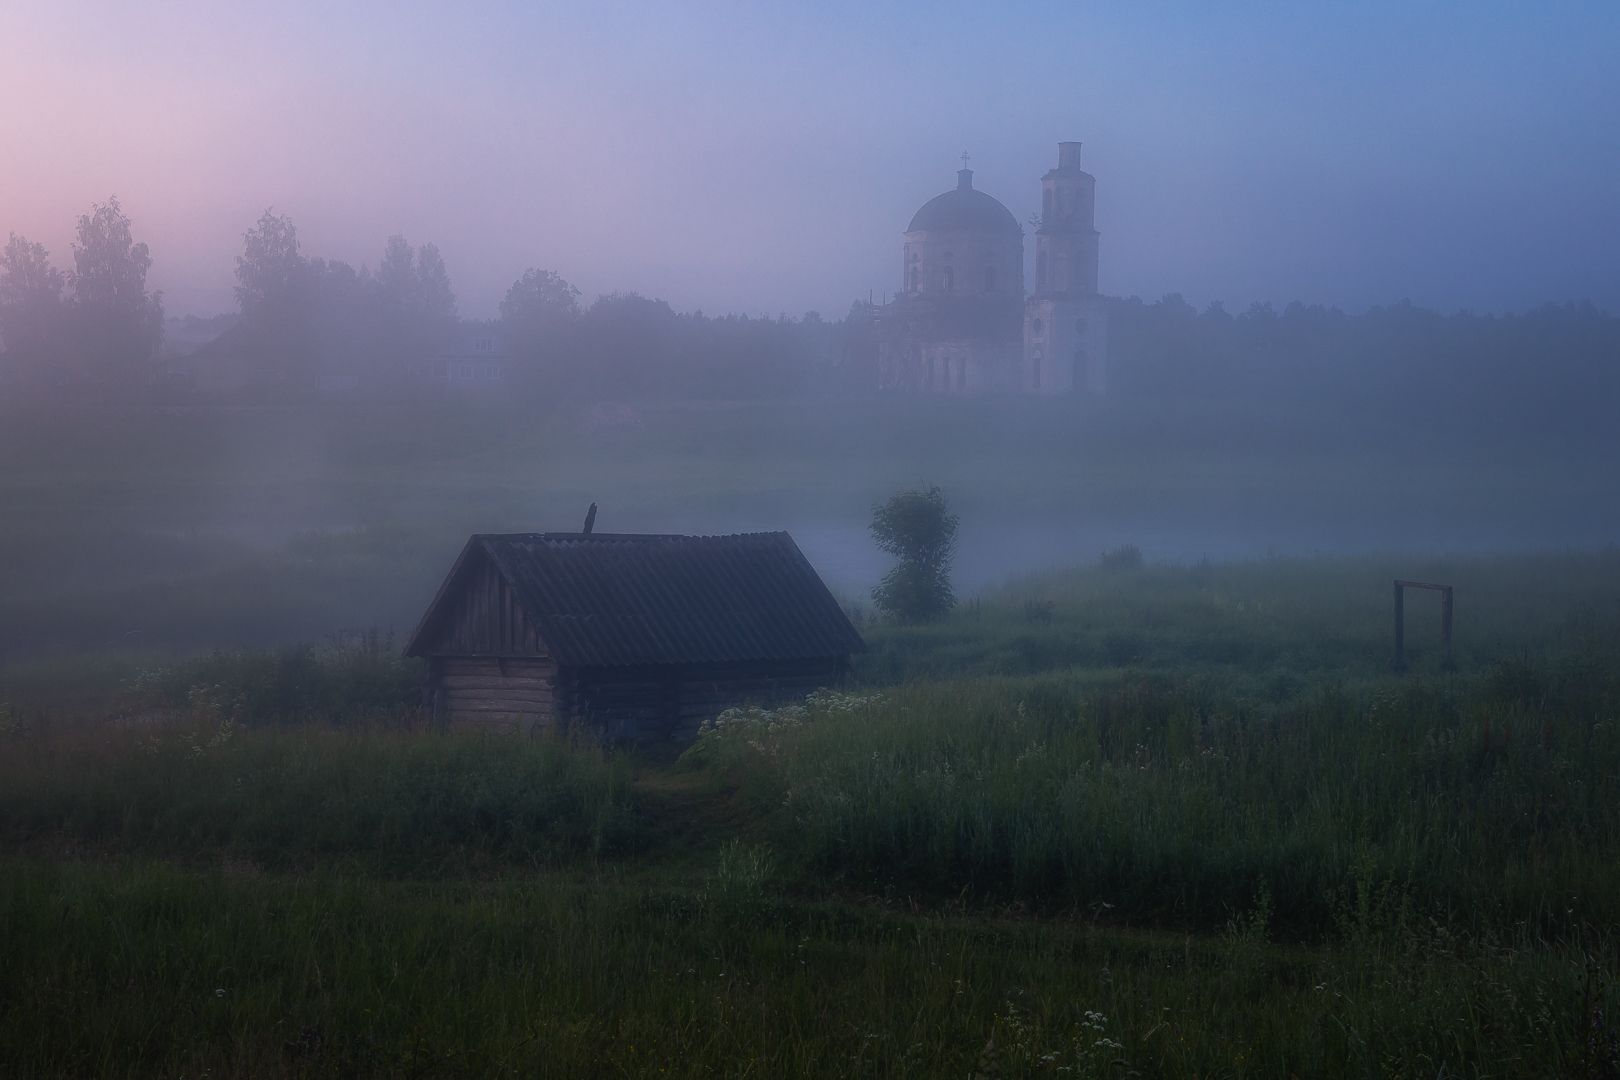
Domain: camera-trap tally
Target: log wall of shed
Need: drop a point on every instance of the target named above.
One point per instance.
(491, 693)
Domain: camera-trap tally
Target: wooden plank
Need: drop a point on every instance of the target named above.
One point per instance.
(514, 697)
(494, 662)
(463, 667)
(473, 708)
(487, 682)
(1400, 626)
(534, 690)
(496, 695)
(504, 725)
(493, 677)
(490, 716)
(514, 707)
(484, 716)
(492, 682)
(508, 725)
(1445, 627)
(530, 673)
(501, 708)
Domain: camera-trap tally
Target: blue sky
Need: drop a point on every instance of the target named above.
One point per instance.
(764, 158)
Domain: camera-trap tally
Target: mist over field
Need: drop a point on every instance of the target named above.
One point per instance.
(203, 521)
(1199, 428)
(1395, 338)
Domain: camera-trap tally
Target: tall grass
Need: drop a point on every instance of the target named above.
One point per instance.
(1486, 802)
(352, 679)
(396, 801)
(141, 969)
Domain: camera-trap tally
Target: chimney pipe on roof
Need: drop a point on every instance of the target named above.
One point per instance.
(1068, 155)
(590, 520)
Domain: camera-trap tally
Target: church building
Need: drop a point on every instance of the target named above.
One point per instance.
(962, 322)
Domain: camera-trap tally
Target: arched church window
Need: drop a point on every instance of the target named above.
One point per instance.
(949, 279)
(1037, 326)
(911, 280)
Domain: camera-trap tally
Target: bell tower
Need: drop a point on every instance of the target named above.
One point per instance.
(1064, 333)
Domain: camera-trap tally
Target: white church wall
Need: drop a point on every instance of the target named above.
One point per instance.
(962, 264)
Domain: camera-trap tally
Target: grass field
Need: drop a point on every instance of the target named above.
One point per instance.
(142, 968)
(1122, 820)
(1172, 816)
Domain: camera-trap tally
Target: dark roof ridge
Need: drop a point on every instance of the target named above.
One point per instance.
(611, 599)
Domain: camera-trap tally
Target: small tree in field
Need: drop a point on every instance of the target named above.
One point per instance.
(918, 528)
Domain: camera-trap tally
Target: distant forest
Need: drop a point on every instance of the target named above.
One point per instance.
(95, 333)
(1551, 372)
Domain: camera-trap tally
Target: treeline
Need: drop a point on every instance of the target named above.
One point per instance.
(307, 316)
(304, 318)
(96, 330)
(94, 327)
(1555, 367)
(625, 344)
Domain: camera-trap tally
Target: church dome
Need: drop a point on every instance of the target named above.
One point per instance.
(965, 209)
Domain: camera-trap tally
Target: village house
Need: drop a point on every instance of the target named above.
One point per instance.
(637, 637)
(474, 358)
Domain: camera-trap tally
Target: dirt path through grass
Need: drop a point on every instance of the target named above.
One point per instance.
(685, 816)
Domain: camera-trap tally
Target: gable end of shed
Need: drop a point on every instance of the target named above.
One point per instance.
(476, 613)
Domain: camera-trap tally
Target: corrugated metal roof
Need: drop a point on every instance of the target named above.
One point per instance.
(605, 599)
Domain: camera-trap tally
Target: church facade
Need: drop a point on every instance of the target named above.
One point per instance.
(963, 322)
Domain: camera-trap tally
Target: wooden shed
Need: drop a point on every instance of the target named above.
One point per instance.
(639, 636)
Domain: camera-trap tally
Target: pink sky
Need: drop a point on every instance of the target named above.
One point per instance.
(737, 158)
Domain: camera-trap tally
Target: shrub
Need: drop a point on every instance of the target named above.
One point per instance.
(918, 528)
(1125, 557)
(357, 678)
